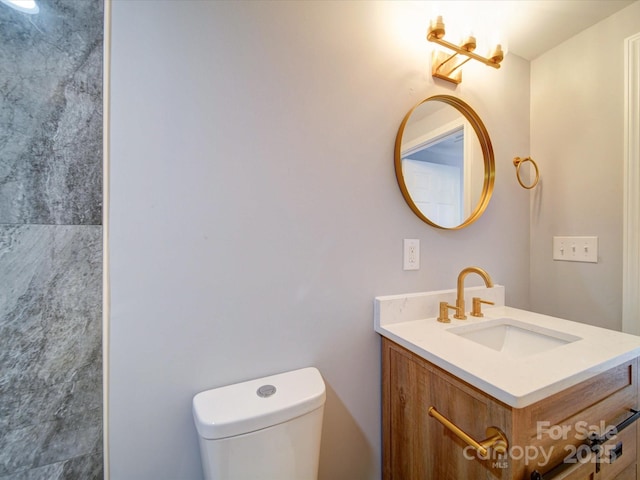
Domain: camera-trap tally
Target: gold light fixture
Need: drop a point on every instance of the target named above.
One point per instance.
(446, 65)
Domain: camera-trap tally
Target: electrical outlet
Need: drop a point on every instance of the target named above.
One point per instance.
(576, 249)
(411, 254)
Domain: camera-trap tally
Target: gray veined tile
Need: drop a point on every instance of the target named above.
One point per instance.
(84, 467)
(18, 449)
(50, 306)
(51, 114)
(27, 406)
(69, 438)
(51, 442)
(50, 300)
(87, 467)
(48, 472)
(50, 347)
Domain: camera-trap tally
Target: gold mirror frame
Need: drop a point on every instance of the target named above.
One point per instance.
(487, 153)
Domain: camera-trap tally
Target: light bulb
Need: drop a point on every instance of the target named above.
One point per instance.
(24, 6)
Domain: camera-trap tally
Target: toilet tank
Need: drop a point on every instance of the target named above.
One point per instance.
(267, 429)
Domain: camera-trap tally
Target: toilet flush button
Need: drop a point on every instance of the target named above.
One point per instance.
(266, 391)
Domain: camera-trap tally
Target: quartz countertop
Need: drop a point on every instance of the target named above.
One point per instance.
(516, 381)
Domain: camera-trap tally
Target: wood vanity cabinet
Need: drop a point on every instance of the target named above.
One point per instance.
(418, 447)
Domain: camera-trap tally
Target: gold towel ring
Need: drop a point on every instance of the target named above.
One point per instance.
(518, 162)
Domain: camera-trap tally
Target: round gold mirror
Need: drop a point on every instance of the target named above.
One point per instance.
(444, 162)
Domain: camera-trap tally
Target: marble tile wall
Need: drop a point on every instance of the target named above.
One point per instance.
(51, 241)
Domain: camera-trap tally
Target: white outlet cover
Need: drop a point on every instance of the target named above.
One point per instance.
(411, 254)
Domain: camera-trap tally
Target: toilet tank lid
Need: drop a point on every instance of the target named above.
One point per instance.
(249, 406)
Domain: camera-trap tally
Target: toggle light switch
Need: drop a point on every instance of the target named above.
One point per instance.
(576, 249)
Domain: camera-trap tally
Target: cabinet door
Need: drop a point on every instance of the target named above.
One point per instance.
(580, 471)
(618, 456)
(417, 446)
(616, 460)
(558, 424)
(628, 473)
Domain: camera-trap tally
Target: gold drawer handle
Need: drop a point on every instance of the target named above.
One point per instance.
(495, 440)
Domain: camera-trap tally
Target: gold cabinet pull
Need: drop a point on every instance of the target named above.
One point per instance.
(495, 440)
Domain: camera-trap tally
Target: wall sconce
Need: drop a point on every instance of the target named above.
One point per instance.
(444, 65)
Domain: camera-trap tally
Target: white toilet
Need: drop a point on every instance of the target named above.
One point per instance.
(266, 429)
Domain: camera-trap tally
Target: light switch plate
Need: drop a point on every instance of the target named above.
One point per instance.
(576, 249)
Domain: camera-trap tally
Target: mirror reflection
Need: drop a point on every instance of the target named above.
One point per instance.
(444, 170)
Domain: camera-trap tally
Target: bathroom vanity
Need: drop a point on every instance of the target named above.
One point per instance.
(510, 395)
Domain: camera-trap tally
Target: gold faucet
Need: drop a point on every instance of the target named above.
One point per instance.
(460, 296)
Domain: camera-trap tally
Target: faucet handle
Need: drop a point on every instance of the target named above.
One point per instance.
(444, 312)
(476, 310)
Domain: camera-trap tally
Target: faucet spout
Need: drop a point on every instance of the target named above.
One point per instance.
(460, 292)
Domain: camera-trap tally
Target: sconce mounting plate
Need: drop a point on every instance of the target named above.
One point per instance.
(443, 68)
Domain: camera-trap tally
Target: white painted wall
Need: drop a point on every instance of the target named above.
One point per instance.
(577, 128)
(255, 214)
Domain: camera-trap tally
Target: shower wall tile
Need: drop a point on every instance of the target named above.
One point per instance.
(51, 80)
(51, 113)
(48, 472)
(74, 444)
(50, 348)
(82, 467)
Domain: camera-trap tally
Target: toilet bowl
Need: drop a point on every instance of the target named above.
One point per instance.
(267, 429)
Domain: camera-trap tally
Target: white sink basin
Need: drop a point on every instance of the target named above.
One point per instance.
(512, 337)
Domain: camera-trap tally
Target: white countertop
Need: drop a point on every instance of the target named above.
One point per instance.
(516, 381)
